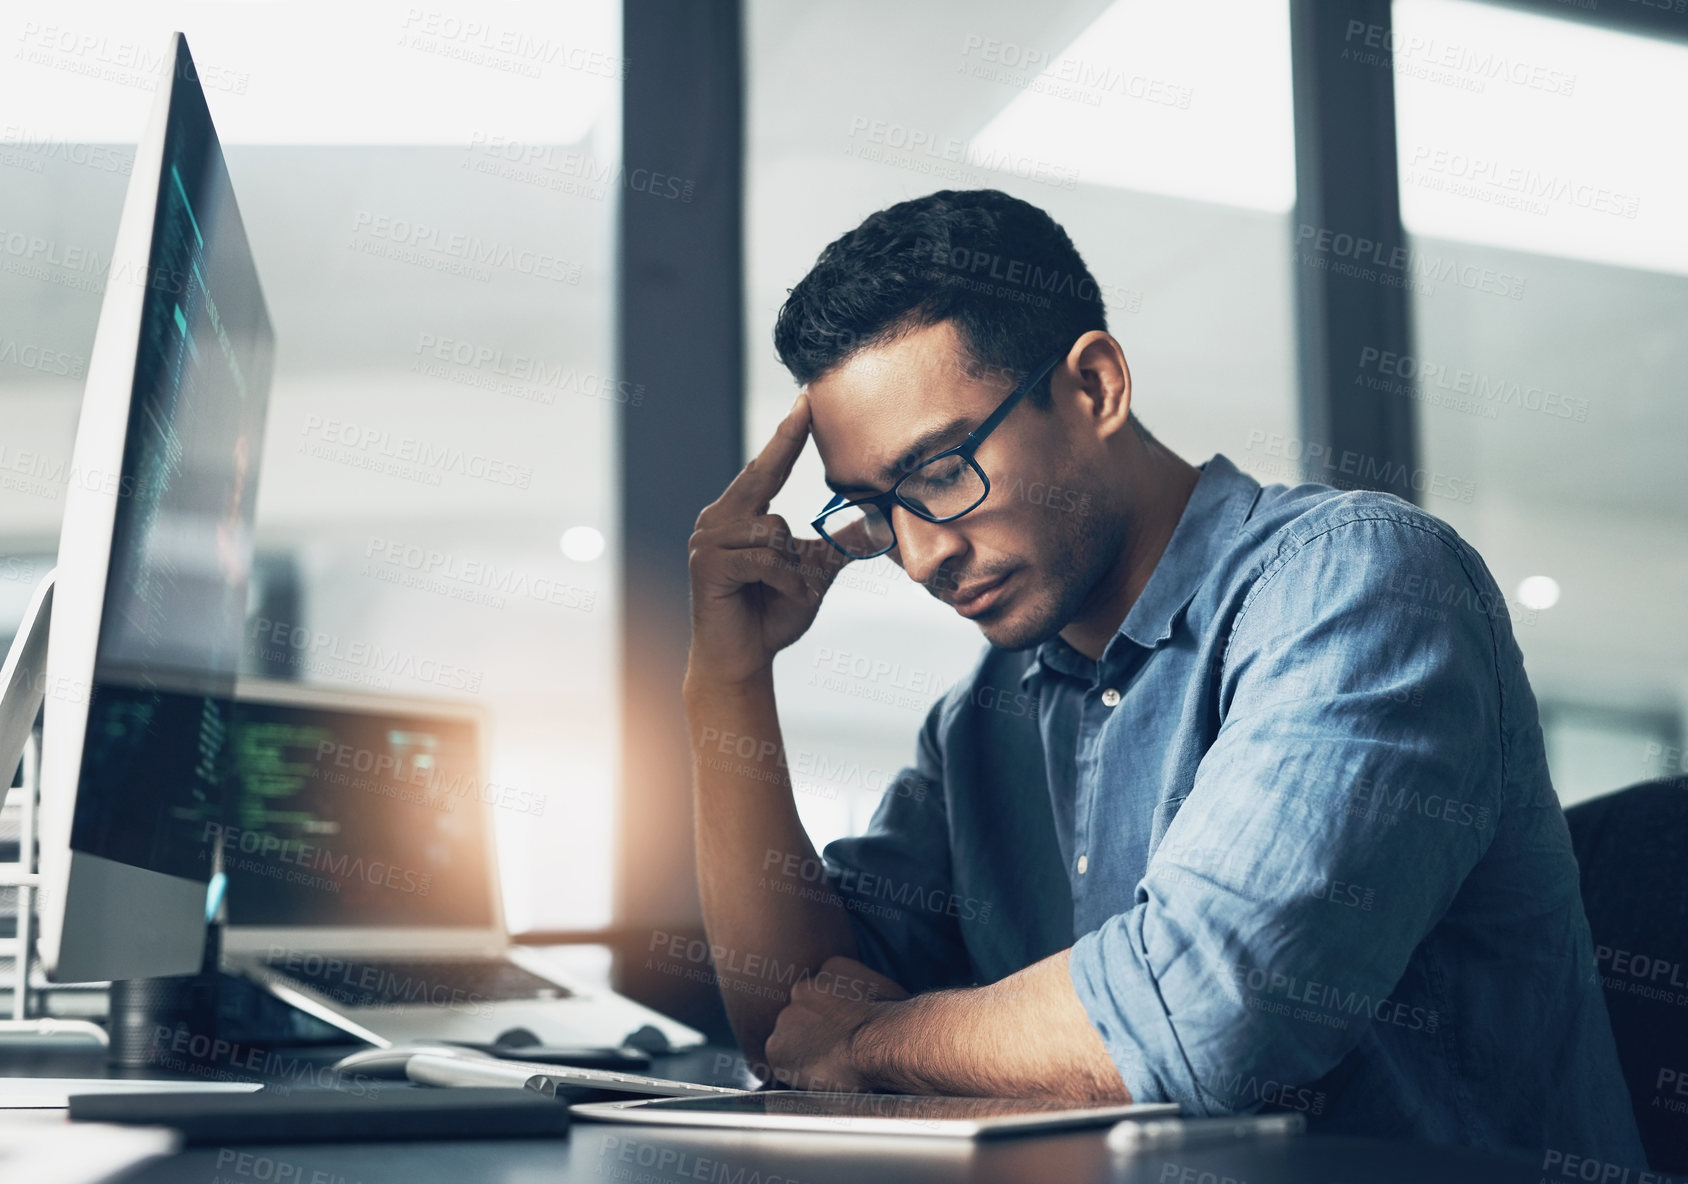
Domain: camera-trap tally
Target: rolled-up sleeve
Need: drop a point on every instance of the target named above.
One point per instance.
(895, 878)
(1353, 784)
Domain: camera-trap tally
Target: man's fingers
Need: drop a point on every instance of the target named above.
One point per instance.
(765, 530)
(816, 560)
(758, 482)
(774, 1050)
(879, 987)
(764, 565)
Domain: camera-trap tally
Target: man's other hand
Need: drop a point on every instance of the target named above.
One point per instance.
(811, 1044)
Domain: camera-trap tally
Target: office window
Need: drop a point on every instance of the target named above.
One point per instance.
(1594, 750)
(1544, 200)
(430, 194)
(1159, 136)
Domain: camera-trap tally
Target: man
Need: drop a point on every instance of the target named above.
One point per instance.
(1266, 819)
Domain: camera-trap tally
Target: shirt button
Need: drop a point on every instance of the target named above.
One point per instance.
(1083, 864)
(1110, 698)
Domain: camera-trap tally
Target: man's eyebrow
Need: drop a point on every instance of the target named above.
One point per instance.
(926, 442)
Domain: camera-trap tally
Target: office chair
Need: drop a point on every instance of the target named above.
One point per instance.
(1632, 849)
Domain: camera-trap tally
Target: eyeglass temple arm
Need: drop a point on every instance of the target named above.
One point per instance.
(1001, 413)
(838, 499)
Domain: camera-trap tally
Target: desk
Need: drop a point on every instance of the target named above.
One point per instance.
(597, 1153)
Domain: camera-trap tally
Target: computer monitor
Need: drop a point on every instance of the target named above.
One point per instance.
(154, 556)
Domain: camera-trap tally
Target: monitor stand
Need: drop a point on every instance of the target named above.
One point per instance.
(23, 689)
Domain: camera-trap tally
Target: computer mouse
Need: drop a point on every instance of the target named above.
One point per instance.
(516, 1038)
(390, 1062)
(650, 1039)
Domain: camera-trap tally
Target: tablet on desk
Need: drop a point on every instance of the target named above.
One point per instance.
(875, 1114)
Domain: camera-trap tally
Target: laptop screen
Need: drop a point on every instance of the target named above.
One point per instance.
(355, 817)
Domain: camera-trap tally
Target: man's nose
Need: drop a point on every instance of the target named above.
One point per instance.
(924, 547)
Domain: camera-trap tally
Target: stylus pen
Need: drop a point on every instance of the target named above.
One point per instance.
(1141, 1134)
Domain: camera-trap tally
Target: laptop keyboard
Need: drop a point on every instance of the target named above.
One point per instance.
(398, 982)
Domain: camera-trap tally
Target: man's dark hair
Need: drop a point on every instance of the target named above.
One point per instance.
(1000, 269)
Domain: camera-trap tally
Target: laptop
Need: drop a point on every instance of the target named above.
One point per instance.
(362, 878)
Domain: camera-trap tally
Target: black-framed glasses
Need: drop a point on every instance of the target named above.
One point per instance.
(940, 489)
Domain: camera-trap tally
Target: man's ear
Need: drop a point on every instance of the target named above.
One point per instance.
(1096, 374)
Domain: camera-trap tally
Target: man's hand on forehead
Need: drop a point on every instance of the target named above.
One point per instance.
(756, 587)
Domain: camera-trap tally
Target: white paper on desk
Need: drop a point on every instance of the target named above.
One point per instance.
(63, 1152)
(54, 1093)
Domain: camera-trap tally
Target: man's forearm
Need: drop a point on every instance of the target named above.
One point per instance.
(1027, 1036)
(770, 928)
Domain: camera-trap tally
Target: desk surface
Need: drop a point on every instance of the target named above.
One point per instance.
(604, 1154)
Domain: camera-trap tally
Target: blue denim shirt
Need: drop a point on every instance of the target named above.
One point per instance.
(1296, 825)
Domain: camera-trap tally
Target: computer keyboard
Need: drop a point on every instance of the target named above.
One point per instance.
(386, 982)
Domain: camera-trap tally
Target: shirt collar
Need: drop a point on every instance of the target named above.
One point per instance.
(1217, 508)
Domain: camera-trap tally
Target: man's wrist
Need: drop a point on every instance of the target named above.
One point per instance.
(873, 1046)
(700, 691)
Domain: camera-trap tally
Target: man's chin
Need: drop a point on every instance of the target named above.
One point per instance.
(1023, 630)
